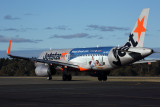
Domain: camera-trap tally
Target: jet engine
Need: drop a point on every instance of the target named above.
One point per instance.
(42, 70)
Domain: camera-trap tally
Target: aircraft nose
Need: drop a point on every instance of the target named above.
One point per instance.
(150, 51)
(147, 51)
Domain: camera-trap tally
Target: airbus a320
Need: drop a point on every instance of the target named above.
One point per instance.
(99, 61)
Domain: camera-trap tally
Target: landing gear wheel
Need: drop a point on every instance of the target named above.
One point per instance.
(64, 77)
(100, 78)
(69, 77)
(49, 78)
(104, 78)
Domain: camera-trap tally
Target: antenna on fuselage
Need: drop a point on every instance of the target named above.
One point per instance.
(97, 46)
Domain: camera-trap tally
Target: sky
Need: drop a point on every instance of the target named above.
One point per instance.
(58, 24)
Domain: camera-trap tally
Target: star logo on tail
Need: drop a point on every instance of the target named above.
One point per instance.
(140, 28)
(63, 55)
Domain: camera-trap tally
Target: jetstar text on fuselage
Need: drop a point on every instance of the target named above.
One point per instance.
(52, 56)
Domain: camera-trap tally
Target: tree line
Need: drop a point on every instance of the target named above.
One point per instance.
(17, 67)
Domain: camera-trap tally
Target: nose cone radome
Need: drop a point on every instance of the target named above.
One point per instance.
(146, 52)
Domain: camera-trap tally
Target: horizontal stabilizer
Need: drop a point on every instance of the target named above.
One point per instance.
(146, 61)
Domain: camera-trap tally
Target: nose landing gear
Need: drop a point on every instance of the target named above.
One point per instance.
(66, 76)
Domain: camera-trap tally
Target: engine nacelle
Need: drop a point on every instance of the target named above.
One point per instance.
(42, 70)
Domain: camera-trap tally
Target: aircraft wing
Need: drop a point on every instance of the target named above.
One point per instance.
(41, 60)
(45, 61)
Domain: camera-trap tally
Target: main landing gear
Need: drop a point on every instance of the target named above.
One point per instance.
(66, 76)
(49, 76)
(103, 76)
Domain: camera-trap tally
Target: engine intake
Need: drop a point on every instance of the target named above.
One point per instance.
(42, 70)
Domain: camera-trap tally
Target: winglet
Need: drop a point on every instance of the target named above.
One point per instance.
(9, 48)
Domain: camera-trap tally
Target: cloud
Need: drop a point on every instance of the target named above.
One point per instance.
(28, 14)
(61, 27)
(49, 28)
(17, 30)
(9, 17)
(10, 29)
(38, 40)
(127, 34)
(78, 35)
(72, 36)
(100, 38)
(147, 34)
(106, 28)
(17, 40)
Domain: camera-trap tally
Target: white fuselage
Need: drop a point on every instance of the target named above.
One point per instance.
(101, 58)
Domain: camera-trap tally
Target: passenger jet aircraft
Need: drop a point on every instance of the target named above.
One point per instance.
(98, 60)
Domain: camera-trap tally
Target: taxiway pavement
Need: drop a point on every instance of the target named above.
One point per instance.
(38, 92)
